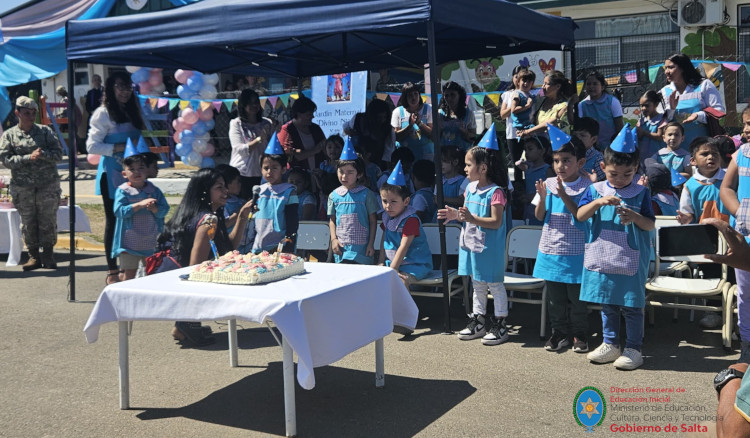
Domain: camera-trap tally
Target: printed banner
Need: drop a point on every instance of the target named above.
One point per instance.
(338, 98)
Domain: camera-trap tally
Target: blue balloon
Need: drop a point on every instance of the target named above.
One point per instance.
(183, 92)
(187, 137)
(208, 162)
(209, 124)
(184, 158)
(183, 149)
(195, 83)
(199, 128)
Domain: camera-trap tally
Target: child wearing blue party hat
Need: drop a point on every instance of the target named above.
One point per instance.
(404, 245)
(139, 208)
(560, 256)
(352, 210)
(277, 216)
(616, 260)
(482, 253)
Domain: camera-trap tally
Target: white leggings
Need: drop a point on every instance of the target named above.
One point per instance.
(481, 288)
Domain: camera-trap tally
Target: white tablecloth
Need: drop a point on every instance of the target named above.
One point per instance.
(11, 241)
(324, 314)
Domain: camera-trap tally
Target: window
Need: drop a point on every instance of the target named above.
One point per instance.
(743, 54)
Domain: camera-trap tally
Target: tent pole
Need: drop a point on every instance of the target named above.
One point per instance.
(434, 87)
(574, 78)
(72, 155)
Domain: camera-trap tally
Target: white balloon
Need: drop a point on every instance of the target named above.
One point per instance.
(205, 137)
(194, 159)
(132, 68)
(159, 88)
(212, 78)
(208, 92)
(200, 145)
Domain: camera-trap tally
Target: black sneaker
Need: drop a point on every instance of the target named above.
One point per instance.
(580, 344)
(556, 341)
(475, 328)
(497, 334)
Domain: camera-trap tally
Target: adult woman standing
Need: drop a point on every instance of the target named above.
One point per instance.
(554, 108)
(688, 94)
(248, 135)
(412, 121)
(118, 119)
(374, 126)
(302, 139)
(458, 124)
(188, 233)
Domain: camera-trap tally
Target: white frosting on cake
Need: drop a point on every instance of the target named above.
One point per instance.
(236, 268)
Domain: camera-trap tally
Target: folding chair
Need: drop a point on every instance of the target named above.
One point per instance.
(523, 243)
(314, 236)
(693, 288)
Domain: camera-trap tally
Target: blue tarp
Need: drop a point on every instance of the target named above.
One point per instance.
(312, 37)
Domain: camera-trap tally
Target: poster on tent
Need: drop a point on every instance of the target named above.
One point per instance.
(338, 97)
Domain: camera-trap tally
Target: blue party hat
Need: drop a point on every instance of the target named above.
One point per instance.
(635, 135)
(142, 147)
(557, 137)
(489, 141)
(624, 142)
(274, 147)
(130, 149)
(348, 154)
(397, 176)
(677, 178)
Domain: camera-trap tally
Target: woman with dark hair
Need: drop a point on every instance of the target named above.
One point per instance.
(116, 120)
(248, 134)
(688, 94)
(458, 125)
(187, 234)
(554, 108)
(601, 106)
(373, 128)
(412, 121)
(302, 139)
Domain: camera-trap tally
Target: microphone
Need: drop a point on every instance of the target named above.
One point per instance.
(256, 195)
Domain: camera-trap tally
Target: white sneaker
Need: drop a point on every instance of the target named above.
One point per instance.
(630, 359)
(711, 320)
(475, 328)
(604, 353)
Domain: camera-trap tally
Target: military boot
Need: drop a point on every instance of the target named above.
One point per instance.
(34, 262)
(48, 258)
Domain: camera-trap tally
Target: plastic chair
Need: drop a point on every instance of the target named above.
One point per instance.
(730, 308)
(313, 236)
(435, 278)
(523, 243)
(693, 288)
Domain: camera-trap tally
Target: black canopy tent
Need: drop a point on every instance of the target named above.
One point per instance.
(301, 38)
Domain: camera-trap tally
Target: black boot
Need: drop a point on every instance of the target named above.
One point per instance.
(193, 332)
(34, 261)
(48, 258)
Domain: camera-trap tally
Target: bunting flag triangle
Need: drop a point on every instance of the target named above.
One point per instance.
(162, 102)
(612, 80)
(284, 99)
(381, 96)
(734, 66)
(263, 101)
(273, 100)
(709, 68)
(495, 98)
(204, 105)
(307, 93)
(579, 87)
(228, 103)
(394, 98)
(479, 98)
(425, 98)
(294, 96)
(631, 76)
(217, 105)
(653, 71)
(153, 101)
(173, 103)
(184, 104)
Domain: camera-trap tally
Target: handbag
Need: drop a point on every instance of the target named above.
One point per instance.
(712, 121)
(161, 261)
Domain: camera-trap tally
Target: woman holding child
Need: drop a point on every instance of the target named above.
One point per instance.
(118, 119)
(554, 108)
(688, 94)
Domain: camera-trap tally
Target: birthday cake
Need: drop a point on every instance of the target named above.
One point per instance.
(236, 268)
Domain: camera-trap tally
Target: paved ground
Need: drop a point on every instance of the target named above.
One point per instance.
(56, 385)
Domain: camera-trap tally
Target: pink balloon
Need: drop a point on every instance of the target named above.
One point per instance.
(206, 115)
(209, 150)
(156, 69)
(182, 75)
(189, 115)
(176, 136)
(93, 159)
(176, 124)
(145, 87)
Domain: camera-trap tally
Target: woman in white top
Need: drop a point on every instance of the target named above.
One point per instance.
(412, 121)
(248, 134)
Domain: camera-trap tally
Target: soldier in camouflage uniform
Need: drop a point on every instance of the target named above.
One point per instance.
(31, 152)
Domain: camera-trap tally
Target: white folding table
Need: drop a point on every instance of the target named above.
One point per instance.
(309, 310)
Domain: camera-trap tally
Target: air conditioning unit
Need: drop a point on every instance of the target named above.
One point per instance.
(694, 13)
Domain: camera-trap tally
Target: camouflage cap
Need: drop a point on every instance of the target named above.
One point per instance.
(26, 102)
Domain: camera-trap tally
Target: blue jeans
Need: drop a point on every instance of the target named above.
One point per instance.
(633, 325)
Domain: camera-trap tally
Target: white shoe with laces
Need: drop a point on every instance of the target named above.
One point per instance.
(630, 359)
(604, 353)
